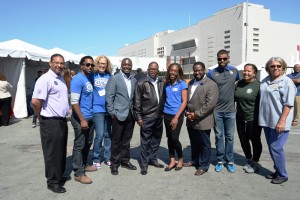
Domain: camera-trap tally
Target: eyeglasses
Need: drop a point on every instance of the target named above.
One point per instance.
(275, 66)
(59, 63)
(88, 64)
(220, 59)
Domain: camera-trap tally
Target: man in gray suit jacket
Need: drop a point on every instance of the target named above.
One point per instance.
(119, 97)
(202, 99)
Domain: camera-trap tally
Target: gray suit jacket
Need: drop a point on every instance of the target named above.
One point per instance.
(119, 104)
(203, 103)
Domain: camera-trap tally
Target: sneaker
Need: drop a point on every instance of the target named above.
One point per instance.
(219, 167)
(230, 168)
(33, 125)
(90, 168)
(108, 163)
(97, 165)
(252, 168)
(248, 164)
(84, 179)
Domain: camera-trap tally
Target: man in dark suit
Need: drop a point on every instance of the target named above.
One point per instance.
(119, 97)
(148, 105)
(202, 99)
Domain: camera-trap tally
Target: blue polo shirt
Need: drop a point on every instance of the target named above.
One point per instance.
(295, 76)
(225, 79)
(173, 97)
(99, 82)
(80, 84)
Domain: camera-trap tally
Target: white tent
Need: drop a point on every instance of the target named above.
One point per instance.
(15, 57)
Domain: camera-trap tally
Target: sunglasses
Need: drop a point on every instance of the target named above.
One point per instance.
(220, 59)
(275, 66)
(88, 64)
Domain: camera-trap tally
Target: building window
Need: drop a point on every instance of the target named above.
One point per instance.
(227, 32)
(255, 29)
(190, 60)
(227, 36)
(255, 40)
(160, 51)
(184, 45)
(255, 34)
(227, 47)
(227, 42)
(255, 50)
(256, 45)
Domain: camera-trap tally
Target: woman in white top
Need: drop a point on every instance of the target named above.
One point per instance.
(5, 100)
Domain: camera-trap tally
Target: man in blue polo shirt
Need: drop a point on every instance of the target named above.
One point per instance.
(296, 79)
(81, 119)
(225, 76)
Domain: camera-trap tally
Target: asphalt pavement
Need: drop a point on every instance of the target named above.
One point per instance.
(22, 172)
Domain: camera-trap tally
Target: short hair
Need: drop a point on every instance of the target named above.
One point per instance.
(296, 64)
(139, 70)
(124, 60)
(180, 72)
(199, 63)
(108, 68)
(253, 67)
(222, 51)
(84, 58)
(153, 62)
(277, 59)
(56, 55)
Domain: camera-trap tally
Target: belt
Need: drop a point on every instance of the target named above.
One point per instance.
(56, 118)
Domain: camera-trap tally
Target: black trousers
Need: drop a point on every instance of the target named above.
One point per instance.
(151, 134)
(173, 135)
(201, 147)
(5, 109)
(121, 135)
(250, 131)
(54, 137)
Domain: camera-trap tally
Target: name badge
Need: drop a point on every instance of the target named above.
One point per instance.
(174, 89)
(101, 93)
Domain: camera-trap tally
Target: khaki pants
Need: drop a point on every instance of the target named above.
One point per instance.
(296, 108)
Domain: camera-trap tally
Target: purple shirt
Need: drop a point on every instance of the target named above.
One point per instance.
(53, 90)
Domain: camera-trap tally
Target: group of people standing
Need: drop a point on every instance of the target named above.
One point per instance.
(111, 104)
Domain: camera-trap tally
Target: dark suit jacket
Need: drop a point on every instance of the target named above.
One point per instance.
(119, 104)
(203, 103)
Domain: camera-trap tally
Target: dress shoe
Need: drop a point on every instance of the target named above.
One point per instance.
(84, 179)
(169, 168)
(279, 180)
(114, 170)
(90, 168)
(56, 188)
(156, 164)
(128, 166)
(178, 168)
(271, 176)
(200, 172)
(188, 164)
(144, 170)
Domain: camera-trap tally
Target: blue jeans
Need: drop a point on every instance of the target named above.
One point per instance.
(275, 143)
(103, 131)
(82, 142)
(225, 126)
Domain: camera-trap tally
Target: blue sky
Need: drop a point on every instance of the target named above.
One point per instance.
(97, 27)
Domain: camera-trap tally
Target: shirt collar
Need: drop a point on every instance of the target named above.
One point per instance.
(53, 74)
(125, 76)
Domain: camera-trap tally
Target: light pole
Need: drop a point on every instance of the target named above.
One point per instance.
(246, 24)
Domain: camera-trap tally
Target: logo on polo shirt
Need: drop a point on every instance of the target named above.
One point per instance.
(55, 83)
(89, 87)
(249, 91)
(174, 89)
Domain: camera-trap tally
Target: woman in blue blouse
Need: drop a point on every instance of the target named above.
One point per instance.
(99, 78)
(176, 99)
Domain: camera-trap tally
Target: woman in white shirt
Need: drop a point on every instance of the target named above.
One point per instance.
(5, 100)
